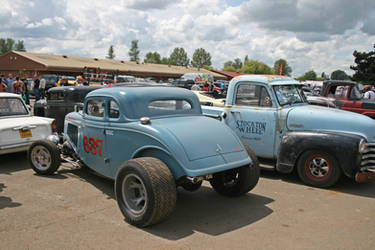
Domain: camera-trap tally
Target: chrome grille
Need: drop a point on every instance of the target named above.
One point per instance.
(368, 157)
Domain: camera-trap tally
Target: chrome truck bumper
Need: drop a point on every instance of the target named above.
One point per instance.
(367, 165)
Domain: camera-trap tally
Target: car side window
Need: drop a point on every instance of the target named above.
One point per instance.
(113, 109)
(95, 107)
(341, 91)
(253, 95)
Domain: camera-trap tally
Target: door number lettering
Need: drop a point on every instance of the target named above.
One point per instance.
(92, 145)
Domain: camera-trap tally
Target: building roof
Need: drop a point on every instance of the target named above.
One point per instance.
(228, 73)
(74, 62)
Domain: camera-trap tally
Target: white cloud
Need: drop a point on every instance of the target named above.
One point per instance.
(309, 34)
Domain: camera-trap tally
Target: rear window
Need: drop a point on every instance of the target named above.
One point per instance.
(56, 96)
(166, 105)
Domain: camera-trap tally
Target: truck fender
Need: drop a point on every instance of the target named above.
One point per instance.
(162, 155)
(342, 146)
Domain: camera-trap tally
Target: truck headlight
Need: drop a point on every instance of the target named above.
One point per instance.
(362, 146)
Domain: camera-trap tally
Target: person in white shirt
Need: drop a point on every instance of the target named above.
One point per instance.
(42, 88)
(369, 94)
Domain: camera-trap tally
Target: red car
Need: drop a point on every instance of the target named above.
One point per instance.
(348, 97)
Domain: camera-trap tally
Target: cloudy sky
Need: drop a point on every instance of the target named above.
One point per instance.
(309, 34)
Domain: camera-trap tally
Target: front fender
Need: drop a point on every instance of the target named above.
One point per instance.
(342, 146)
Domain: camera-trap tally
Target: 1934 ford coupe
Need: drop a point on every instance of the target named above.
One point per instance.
(150, 140)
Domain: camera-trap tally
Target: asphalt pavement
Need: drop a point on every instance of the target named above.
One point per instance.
(76, 209)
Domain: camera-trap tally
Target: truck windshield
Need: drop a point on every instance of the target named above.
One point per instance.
(289, 94)
(356, 93)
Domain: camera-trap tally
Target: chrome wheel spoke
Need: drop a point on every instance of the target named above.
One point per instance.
(319, 167)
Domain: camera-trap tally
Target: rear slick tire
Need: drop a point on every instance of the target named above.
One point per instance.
(145, 191)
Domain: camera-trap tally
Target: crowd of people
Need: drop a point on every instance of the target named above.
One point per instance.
(19, 86)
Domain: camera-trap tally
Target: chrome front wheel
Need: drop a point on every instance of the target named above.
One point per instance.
(44, 157)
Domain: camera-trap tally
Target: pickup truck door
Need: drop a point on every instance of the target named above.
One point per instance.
(253, 118)
(93, 136)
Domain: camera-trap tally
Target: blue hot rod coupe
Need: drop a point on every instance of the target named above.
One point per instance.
(150, 140)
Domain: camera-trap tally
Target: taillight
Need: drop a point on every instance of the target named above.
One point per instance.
(53, 127)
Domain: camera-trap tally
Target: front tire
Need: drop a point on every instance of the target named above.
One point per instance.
(44, 157)
(319, 169)
(145, 191)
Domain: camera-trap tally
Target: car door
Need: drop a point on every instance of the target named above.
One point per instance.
(94, 151)
(253, 117)
(121, 140)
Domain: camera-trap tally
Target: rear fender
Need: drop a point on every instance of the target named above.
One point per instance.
(164, 156)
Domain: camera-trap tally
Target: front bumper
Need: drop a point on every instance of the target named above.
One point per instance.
(365, 176)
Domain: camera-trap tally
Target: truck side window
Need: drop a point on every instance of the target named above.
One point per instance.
(95, 108)
(114, 111)
(253, 95)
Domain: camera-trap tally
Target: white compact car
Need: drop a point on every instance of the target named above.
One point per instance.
(18, 128)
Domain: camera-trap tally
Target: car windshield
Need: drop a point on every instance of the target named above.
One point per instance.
(289, 94)
(12, 106)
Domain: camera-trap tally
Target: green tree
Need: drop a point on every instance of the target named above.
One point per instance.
(152, 58)
(286, 69)
(208, 67)
(324, 76)
(111, 53)
(134, 51)
(201, 58)
(165, 60)
(179, 57)
(6, 45)
(229, 68)
(309, 75)
(246, 58)
(339, 75)
(20, 46)
(233, 66)
(228, 64)
(237, 64)
(256, 67)
(365, 67)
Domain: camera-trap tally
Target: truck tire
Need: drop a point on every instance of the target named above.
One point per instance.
(317, 168)
(145, 191)
(233, 182)
(44, 157)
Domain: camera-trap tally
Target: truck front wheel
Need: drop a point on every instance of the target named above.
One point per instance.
(145, 191)
(318, 169)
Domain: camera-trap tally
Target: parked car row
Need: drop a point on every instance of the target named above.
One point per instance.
(151, 139)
